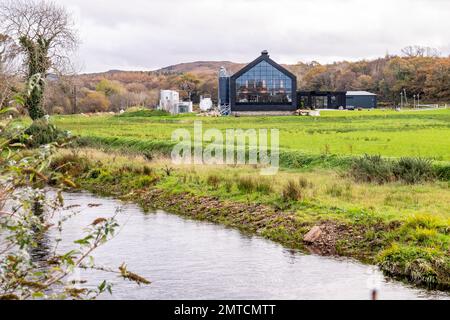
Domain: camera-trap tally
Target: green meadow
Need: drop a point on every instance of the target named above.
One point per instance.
(387, 133)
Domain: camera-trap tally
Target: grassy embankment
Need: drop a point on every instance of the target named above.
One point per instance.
(402, 227)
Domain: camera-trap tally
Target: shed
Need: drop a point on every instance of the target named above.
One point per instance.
(361, 99)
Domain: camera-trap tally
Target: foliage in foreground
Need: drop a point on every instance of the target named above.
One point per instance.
(41, 132)
(28, 216)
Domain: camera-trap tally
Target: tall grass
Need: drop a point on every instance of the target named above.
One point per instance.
(144, 113)
(246, 184)
(292, 191)
(213, 180)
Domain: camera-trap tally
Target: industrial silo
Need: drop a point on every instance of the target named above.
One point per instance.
(224, 92)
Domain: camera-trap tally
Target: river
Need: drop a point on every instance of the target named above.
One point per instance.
(188, 259)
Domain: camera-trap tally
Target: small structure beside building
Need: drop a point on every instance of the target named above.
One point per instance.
(206, 103)
(170, 102)
(361, 99)
(321, 99)
(337, 99)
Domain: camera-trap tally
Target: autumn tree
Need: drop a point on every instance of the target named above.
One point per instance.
(188, 83)
(45, 34)
(437, 83)
(108, 87)
(318, 78)
(363, 82)
(136, 87)
(95, 101)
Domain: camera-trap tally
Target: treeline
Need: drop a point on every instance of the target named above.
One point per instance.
(428, 77)
(416, 72)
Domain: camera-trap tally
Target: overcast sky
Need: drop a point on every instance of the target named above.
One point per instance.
(149, 34)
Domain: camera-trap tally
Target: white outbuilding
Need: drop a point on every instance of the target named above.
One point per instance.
(170, 101)
(206, 104)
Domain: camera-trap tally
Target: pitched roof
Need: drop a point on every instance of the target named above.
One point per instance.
(263, 57)
(360, 93)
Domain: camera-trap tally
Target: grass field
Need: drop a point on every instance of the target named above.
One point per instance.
(388, 133)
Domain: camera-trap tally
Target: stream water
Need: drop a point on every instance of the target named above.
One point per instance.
(187, 259)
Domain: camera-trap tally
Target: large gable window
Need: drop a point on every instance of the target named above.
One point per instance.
(264, 84)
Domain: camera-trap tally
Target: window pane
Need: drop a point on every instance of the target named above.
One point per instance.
(264, 84)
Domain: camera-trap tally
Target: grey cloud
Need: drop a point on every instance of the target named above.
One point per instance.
(142, 34)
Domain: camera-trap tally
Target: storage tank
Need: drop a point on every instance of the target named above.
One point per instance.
(206, 103)
(224, 91)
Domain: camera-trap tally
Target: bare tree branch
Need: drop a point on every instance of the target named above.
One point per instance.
(45, 34)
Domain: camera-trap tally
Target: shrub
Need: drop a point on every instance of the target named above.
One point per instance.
(414, 170)
(292, 191)
(246, 184)
(70, 164)
(424, 266)
(41, 132)
(94, 173)
(335, 190)
(427, 221)
(407, 169)
(146, 181)
(304, 183)
(372, 169)
(228, 185)
(442, 172)
(148, 170)
(264, 186)
(213, 180)
(58, 110)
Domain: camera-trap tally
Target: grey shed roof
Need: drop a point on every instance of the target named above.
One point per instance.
(360, 93)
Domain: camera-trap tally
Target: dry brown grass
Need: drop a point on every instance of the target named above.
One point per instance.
(390, 199)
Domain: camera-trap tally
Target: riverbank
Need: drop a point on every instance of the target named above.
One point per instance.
(191, 259)
(402, 228)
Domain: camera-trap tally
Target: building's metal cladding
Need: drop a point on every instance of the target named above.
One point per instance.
(224, 87)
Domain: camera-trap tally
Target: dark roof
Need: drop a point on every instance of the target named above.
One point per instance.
(263, 57)
(360, 93)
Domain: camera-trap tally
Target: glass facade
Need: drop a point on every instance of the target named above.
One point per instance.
(264, 84)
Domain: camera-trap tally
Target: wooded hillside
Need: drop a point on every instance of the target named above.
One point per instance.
(417, 71)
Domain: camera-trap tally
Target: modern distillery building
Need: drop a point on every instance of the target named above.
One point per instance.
(263, 85)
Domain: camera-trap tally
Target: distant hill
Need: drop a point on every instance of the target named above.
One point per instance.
(201, 67)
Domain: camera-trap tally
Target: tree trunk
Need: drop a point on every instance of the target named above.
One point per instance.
(37, 63)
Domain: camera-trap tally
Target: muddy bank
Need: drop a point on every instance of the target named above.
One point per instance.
(284, 227)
